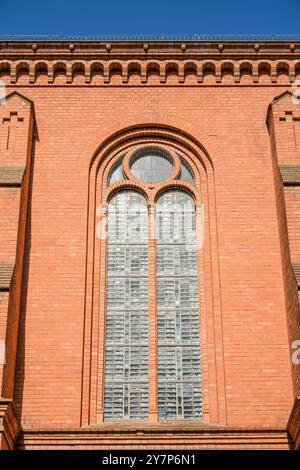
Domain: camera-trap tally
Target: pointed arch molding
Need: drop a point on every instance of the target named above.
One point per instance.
(200, 151)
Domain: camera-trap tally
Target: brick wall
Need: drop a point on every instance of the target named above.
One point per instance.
(246, 297)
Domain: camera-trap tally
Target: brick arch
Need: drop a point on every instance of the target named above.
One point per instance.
(59, 66)
(41, 65)
(41, 71)
(59, 71)
(182, 186)
(211, 66)
(22, 70)
(227, 72)
(153, 69)
(264, 67)
(78, 67)
(170, 124)
(297, 68)
(283, 72)
(93, 71)
(209, 71)
(190, 66)
(172, 67)
(115, 67)
(134, 67)
(189, 72)
(101, 148)
(5, 66)
(227, 67)
(96, 65)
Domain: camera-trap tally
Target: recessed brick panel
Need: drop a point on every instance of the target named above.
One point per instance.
(6, 271)
(11, 175)
(296, 268)
(290, 175)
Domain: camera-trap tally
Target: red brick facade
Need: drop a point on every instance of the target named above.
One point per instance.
(68, 111)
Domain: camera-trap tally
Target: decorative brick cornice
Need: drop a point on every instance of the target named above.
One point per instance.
(179, 48)
(294, 423)
(6, 271)
(290, 175)
(9, 425)
(11, 175)
(226, 63)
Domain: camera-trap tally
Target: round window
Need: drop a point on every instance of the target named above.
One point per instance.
(151, 165)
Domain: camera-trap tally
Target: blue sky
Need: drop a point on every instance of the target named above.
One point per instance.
(152, 17)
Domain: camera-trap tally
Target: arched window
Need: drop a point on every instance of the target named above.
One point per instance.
(179, 392)
(152, 305)
(126, 368)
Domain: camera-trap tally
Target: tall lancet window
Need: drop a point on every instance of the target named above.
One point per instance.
(126, 371)
(179, 393)
(152, 337)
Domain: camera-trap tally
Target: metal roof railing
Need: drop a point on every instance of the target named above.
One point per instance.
(152, 37)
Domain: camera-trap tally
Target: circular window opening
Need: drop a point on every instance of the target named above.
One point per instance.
(151, 165)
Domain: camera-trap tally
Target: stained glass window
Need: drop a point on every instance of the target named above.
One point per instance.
(179, 378)
(126, 357)
(126, 387)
